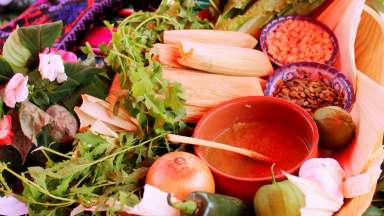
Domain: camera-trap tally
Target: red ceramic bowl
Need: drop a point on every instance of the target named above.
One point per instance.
(254, 109)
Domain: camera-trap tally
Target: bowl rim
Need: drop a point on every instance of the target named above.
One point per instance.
(247, 99)
(350, 95)
(271, 25)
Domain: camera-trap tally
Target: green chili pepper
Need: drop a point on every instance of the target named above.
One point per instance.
(209, 204)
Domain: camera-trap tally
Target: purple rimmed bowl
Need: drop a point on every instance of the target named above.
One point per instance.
(275, 23)
(316, 71)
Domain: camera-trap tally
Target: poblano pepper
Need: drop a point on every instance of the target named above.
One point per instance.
(209, 204)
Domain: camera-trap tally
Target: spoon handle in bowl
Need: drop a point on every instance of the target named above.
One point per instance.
(195, 141)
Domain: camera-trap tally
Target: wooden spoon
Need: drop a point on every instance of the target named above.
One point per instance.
(195, 141)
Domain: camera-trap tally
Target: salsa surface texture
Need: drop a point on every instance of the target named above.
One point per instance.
(272, 140)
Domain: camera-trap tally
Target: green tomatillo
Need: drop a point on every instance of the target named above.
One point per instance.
(279, 198)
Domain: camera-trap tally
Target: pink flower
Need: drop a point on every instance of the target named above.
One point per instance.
(6, 133)
(9, 205)
(67, 56)
(16, 90)
(51, 67)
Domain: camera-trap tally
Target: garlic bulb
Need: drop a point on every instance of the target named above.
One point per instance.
(327, 173)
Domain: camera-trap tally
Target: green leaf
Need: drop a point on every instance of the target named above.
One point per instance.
(81, 74)
(32, 120)
(20, 142)
(373, 211)
(98, 88)
(38, 37)
(129, 199)
(40, 98)
(6, 72)
(90, 138)
(80, 77)
(15, 53)
(38, 175)
(43, 138)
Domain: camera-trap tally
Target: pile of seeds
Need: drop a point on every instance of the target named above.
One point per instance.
(308, 93)
(299, 40)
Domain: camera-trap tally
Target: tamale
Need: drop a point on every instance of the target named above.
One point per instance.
(224, 60)
(204, 91)
(226, 38)
(166, 54)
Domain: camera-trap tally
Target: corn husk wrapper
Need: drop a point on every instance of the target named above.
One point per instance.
(204, 91)
(225, 38)
(345, 28)
(99, 127)
(166, 54)
(224, 60)
(93, 109)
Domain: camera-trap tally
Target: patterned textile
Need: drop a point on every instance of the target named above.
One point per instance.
(77, 16)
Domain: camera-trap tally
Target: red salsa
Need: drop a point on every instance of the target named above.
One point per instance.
(273, 140)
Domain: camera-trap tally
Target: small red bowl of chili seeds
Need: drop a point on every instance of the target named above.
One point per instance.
(293, 39)
(311, 85)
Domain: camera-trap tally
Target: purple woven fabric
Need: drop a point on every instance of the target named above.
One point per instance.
(77, 16)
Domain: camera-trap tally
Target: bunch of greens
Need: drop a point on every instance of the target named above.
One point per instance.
(100, 171)
(157, 104)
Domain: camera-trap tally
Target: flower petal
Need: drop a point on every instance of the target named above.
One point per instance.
(16, 90)
(61, 77)
(50, 66)
(11, 206)
(9, 99)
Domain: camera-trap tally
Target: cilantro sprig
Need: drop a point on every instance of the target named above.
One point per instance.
(157, 104)
(99, 169)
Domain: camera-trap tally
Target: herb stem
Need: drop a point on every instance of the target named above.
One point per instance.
(38, 187)
(152, 18)
(43, 148)
(121, 151)
(62, 204)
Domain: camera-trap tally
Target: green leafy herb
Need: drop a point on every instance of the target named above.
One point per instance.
(157, 104)
(6, 72)
(82, 79)
(373, 211)
(38, 37)
(100, 170)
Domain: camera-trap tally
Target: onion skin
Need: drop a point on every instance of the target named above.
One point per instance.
(180, 173)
